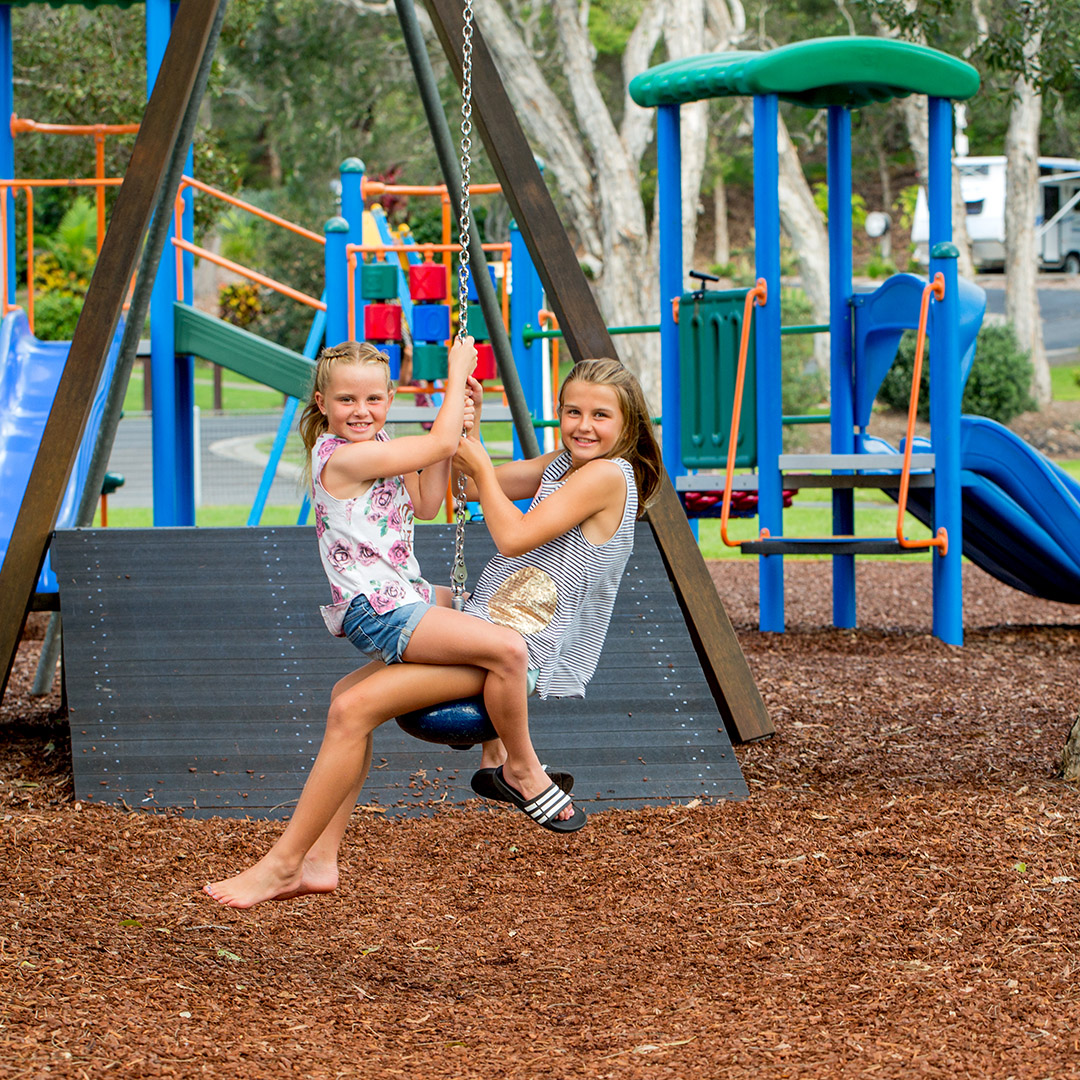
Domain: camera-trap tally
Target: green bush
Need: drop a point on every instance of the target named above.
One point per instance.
(55, 316)
(802, 384)
(997, 388)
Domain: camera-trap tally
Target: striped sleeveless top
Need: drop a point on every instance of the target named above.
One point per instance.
(586, 577)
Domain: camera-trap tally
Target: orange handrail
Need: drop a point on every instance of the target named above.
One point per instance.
(549, 318)
(98, 131)
(935, 288)
(29, 192)
(251, 275)
(370, 189)
(232, 200)
(759, 295)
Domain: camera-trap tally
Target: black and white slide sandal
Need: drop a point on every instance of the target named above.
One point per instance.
(544, 808)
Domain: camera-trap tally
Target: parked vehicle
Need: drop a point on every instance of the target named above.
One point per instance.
(982, 181)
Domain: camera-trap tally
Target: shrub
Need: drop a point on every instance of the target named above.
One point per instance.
(802, 384)
(997, 388)
(55, 316)
(240, 303)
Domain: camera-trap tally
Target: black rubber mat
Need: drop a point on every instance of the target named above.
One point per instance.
(198, 672)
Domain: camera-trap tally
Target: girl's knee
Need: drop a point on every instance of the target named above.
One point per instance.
(349, 716)
(515, 653)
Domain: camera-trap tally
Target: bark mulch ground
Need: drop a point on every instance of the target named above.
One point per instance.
(900, 896)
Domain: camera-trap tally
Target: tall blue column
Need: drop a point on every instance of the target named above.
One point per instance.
(7, 141)
(767, 343)
(669, 199)
(336, 231)
(172, 380)
(945, 388)
(841, 396)
(352, 210)
(526, 300)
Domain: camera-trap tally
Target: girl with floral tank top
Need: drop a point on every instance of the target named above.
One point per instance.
(553, 583)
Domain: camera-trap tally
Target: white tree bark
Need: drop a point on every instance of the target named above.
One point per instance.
(1021, 208)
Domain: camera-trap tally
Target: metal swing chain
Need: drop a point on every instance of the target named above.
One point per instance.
(459, 574)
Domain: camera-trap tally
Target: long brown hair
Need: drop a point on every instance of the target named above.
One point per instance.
(637, 443)
(313, 422)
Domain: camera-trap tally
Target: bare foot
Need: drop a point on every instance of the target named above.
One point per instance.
(315, 877)
(266, 880)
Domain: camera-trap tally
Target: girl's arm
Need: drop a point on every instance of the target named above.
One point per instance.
(596, 490)
(356, 463)
(428, 488)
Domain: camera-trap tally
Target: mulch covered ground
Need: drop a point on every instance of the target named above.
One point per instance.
(900, 896)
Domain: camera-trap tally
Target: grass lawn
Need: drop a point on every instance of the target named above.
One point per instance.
(238, 394)
(1065, 383)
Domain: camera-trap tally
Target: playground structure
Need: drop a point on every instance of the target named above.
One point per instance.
(984, 492)
(151, 187)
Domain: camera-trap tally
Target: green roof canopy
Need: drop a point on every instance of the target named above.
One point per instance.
(851, 71)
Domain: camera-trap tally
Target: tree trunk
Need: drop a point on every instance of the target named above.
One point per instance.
(1021, 209)
(721, 239)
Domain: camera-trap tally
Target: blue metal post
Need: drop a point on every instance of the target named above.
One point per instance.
(336, 231)
(352, 210)
(526, 300)
(767, 343)
(173, 477)
(7, 140)
(669, 200)
(841, 392)
(945, 388)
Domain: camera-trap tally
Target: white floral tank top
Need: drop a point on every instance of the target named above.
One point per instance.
(366, 543)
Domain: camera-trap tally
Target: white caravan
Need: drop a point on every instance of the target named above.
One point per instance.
(982, 181)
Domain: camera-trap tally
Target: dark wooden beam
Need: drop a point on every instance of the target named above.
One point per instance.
(585, 333)
(96, 328)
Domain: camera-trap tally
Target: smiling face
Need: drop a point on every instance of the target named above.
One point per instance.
(590, 421)
(356, 401)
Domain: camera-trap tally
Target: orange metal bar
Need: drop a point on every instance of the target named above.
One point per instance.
(251, 275)
(29, 192)
(370, 189)
(232, 200)
(20, 125)
(936, 288)
(759, 295)
(547, 318)
(420, 249)
(99, 174)
(351, 262)
(178, 210)
(109, 181)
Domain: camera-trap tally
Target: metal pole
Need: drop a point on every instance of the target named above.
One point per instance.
(448, 163)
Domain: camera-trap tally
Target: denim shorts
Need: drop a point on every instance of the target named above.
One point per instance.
(382, 637)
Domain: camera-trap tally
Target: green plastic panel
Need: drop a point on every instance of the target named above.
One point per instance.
(478, 328)
(378, 281)
(710, 326)
(429, 362)
(850, 71)
(199, 334)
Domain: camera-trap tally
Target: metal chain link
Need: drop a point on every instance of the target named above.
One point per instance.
(459, 574)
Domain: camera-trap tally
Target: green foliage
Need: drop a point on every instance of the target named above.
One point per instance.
(877, 267)
(858, 205)
(802, 385)
(73, 244)
(998, 386)
(610, 24)
(55, 315)
(904, 204)
(240, 303)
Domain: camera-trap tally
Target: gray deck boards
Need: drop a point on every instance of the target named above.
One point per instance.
(198, 673)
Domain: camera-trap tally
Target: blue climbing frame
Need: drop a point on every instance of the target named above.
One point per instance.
(804, 73)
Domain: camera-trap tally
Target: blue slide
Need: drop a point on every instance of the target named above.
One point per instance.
(30, 372)
(1021, 511)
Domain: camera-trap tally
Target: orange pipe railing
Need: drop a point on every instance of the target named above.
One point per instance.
(28, 191)
(548, 318)
(935, 288)
(371, 189)
(759, 295)
(98, 131)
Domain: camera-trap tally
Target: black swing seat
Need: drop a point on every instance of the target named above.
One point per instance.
(459, 724)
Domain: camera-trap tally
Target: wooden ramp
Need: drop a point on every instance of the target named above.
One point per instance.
(198, 672)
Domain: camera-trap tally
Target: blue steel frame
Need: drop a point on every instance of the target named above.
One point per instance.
(945, 388)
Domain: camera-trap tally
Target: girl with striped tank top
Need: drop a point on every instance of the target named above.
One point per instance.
(553, 584)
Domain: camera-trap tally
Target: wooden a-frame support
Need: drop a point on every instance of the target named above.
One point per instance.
(116, 264)
(584, 331)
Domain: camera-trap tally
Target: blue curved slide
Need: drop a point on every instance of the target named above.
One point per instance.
(30, 372)
(1021, 511)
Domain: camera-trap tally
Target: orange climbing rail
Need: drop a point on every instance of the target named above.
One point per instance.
(935, 288)
(759, 295)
